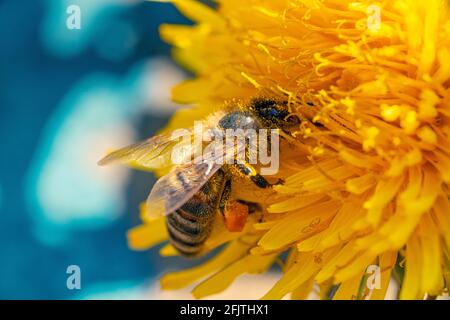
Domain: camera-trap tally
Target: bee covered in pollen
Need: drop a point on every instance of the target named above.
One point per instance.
(199, 185)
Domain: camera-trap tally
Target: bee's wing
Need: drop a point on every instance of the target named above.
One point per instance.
(154, 152)
(174, 189)
(151, 153)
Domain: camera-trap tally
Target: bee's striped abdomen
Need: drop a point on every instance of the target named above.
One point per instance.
(190, 226)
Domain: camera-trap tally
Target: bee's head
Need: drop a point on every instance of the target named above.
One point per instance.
(274, 113)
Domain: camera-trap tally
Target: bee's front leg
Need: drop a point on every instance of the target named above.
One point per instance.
(261, 182)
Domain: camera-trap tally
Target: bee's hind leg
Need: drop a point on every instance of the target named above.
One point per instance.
(234, 212)
(261, 182)
(226, 193)
(252, 206)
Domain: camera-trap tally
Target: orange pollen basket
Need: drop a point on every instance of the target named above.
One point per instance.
(235, 216)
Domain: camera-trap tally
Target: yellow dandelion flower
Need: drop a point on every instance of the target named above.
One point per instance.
(370, 185)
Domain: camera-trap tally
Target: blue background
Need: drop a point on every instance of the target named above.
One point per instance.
(58, 89)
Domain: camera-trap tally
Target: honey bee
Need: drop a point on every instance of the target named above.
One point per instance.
(192, 193)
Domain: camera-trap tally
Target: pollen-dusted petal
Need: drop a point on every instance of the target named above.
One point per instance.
(294, 203)
(297, 275)
(221, 280)
(427, 135)
(443, 72)
(390, 236)
(411, 287)
(386, 264)
(432, 279)
(168, 251)
(340, 260)
(147, 235)
(446, 269)
(179, 35)
(377, 87)
(427, 104)
(430, 35)
(442, 218)
(370, 135)
(302, 292)
(390, 113)
(358, 159)
(414, 24)
(311, 243)
(419, 201)
(304, 267)
(340, 228)
(232, 252)
(189, 91)
(324, 182)
(385, 191)
(360, 263)
(298, 224)
(350, 104)
(413, 187)
(397, 166)
(412, 204)
(361, 184)
(442, 163)
(409, 122)
(312, 172)
(348, 290)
